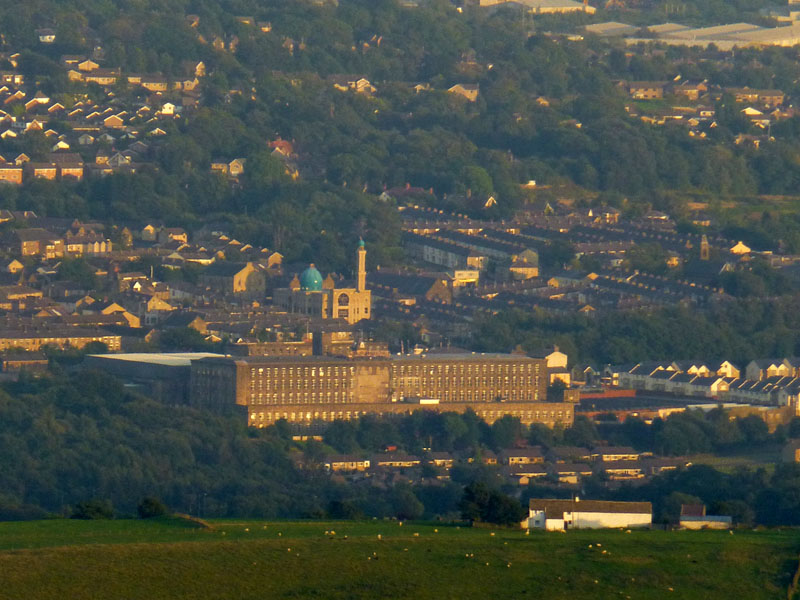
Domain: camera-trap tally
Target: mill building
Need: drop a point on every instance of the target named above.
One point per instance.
(305, 389)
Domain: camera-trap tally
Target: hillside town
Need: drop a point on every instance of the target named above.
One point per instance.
(519, 263)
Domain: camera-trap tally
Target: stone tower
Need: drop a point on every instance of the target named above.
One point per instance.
(705, 252)
(361, 278)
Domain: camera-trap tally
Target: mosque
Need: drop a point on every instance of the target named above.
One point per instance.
(310, 295)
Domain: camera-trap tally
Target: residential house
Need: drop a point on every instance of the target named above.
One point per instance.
(571, 472)
(102, 76)
(343, 463)
(646, 90)
(443, 253)
(765, 97)
(615, 453)
(568, 454)
(38, 242)
(154, 83)
(791, 452)
(526, 472)
(186, 320)
(149, 233)
(86, 242)
(764, 368)
(14, 266)
(440, 459)
(172, 234)
(396, 461)
(621, 470)
(522, 456)
(690, 90)
(234, 278)
(111, 308)
(230, 168)
(11, 174)
(62, 337)
(149, 309)
(38, 170)
(469, 91)
(356, 83)
(46, 35)
(725, 369)
(68, 165)
(194, 67)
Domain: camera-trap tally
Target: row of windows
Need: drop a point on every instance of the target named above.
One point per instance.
(263, 418)
(266, 384)
(301, 371)
(466, 381)
(477, 396)
(260, 418)
(284, 397)
(468, 368)
(301, 397)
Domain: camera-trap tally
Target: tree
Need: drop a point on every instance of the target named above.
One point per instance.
(474, 501)
(673, 503)
(754, 429)
(506, 432)
(93, 509)
(555, 392)
(582, 433)
(96, 348)
(151, 507)
(481, 503)
(405, 503)
(344, 509)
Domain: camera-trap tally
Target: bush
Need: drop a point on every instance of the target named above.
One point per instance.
(481, 503)
(93, 509)
(151, 507)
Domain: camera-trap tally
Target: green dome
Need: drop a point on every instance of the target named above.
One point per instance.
(311, 280)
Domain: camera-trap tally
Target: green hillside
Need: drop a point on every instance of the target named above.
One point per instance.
(254, 559)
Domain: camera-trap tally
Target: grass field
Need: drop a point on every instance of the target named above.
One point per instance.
(134, 560)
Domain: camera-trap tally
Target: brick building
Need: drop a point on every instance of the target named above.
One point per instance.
(303, 389)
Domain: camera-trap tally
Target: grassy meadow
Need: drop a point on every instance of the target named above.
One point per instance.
(170, 558)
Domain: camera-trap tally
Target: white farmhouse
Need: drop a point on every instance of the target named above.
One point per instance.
(557, 515)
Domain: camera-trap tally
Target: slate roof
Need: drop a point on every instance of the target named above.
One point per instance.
(555, 509)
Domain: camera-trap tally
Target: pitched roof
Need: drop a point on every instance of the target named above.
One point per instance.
(555, 509)
(224, 269)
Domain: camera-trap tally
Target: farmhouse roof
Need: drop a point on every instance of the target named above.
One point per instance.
(555, 509)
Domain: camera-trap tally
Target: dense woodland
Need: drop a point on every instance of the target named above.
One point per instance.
(72, 439)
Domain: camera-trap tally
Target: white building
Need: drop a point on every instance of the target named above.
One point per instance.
(557, 515)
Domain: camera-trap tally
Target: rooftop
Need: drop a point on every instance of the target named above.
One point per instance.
(171, 359)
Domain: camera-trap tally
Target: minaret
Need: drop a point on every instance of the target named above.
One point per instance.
(361, 278)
